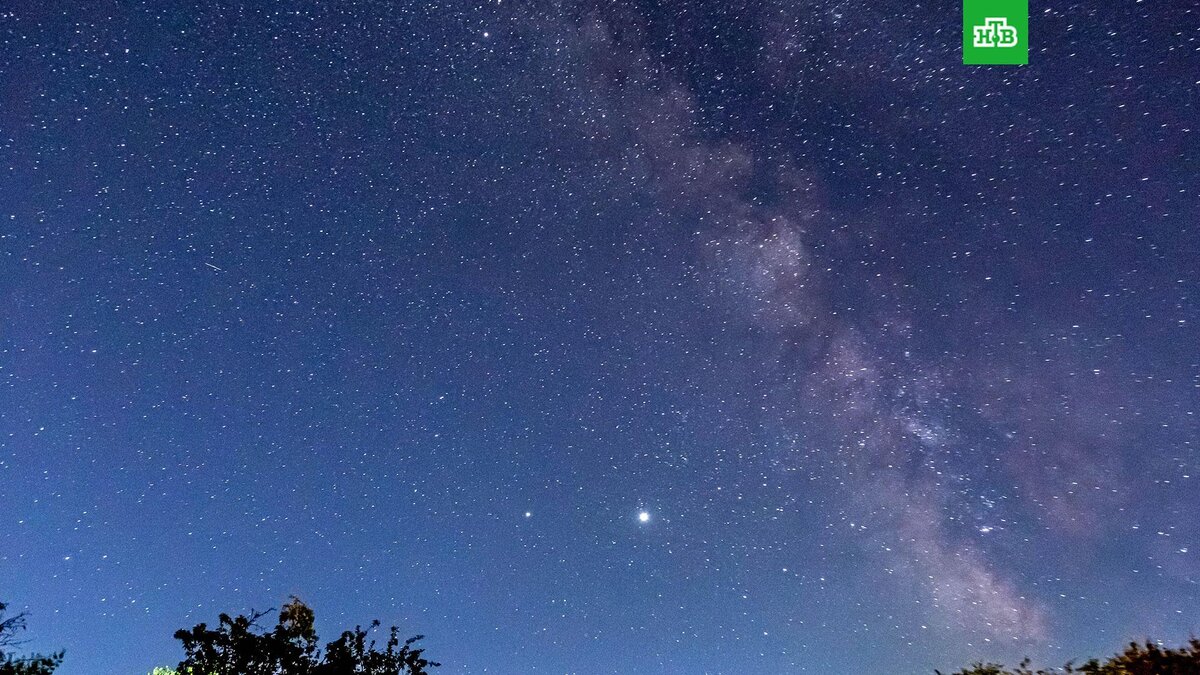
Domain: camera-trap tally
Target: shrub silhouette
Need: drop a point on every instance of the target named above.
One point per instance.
(239, 646)
(1137, 659)
(10, 663)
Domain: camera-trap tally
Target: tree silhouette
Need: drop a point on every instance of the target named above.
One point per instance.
(239, 646)
(10, 663)
(1137, 659)
(1149, 659)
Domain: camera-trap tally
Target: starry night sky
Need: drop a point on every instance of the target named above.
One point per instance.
(413, 310)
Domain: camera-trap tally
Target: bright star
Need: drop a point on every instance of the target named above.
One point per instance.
(643, 517)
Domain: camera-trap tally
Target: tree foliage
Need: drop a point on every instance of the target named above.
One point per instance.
(239, 646)
(10, 663)
(1137, 659)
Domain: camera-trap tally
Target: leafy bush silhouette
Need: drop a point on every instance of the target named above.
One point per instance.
(10, 663)
(239, 646)
(1137, 659)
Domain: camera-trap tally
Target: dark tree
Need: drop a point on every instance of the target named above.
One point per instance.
(351, 654)
(1144, 659)
(10, 663)
(1149, 659)
(239, 646)
(997, 669)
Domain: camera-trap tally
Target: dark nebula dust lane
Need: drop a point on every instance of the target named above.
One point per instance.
(637, 337)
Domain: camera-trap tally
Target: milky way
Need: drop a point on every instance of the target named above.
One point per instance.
(638, 337)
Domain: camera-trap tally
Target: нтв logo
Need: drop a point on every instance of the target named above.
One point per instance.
(996, 32)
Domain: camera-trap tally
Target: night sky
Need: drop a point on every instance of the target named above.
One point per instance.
(624, 337)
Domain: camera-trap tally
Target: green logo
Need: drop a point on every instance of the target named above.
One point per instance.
(996, 32)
